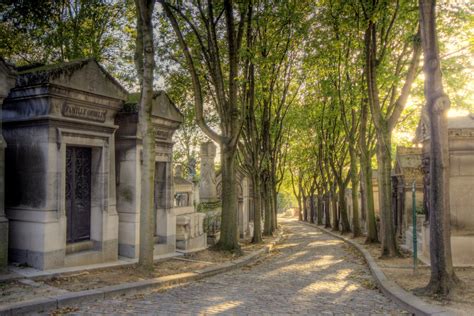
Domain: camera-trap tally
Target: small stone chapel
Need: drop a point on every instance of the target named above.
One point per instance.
(166, 119)
(461, 187)
(60, 164)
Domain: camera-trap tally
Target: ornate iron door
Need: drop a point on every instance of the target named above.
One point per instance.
(78, 193)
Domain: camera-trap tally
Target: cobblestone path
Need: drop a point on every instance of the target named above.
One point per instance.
(309, 273)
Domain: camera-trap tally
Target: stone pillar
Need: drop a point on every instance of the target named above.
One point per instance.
(207, 186)
(7, 82)
(178, 171)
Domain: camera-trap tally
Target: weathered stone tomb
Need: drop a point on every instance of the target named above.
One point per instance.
(166, 119)
(60, 165)
(407, 170)
(245, 204)
(461, 187)
(190, 235)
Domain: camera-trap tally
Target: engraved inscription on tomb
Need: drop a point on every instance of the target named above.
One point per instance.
(84, 113)
(160, 134)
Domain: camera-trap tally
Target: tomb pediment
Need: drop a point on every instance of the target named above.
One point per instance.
(457, 126)
(409, 164)
(85, 75)
(164, 108)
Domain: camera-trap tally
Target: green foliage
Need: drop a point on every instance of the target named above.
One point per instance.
(44, 32)
(58, 30)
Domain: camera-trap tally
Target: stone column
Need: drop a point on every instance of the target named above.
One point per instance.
(7, 82)
(207, 185)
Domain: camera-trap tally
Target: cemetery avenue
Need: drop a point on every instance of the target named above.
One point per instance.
(237, 157)
(309, 273)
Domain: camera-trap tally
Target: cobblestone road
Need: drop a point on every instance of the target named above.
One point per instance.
(308, 273)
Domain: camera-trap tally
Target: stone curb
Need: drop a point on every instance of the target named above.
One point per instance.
(400, 296)
(40, 305)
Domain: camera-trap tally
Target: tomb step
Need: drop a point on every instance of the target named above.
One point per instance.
(83, 258)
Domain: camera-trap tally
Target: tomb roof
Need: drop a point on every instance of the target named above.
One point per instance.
(162, 106)
(408, 164)
(181, 181)
(461, 121)
(66, 74)
(456, 122)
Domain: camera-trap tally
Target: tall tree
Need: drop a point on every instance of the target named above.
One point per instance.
(443, 278)
(145, 63)
(365, 158)
(216, 32)
(385, 22)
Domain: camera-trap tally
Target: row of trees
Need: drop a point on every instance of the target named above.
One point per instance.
(365, 66)
(244, 66)
(323, 84)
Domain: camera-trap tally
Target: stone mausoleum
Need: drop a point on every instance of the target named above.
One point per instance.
(245, 204)
(59, 125)
(166, 119)
(461, 187)
(407, 170)
(190, 235)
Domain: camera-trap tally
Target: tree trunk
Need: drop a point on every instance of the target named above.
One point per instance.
(366, 190)
(320, 208)
(343, 209)
(257, 211)
(274, 207)
(229, 238)
(305, 208)
(335, 219)
(355, 197)
(363, 197)
(366, 172)
(267, 196)
(327, 211)
(312, 210)
(300, 210)
(443, 278)
(389, 243)
(145, 67)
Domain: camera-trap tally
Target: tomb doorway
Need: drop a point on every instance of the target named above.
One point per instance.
(78, 193)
